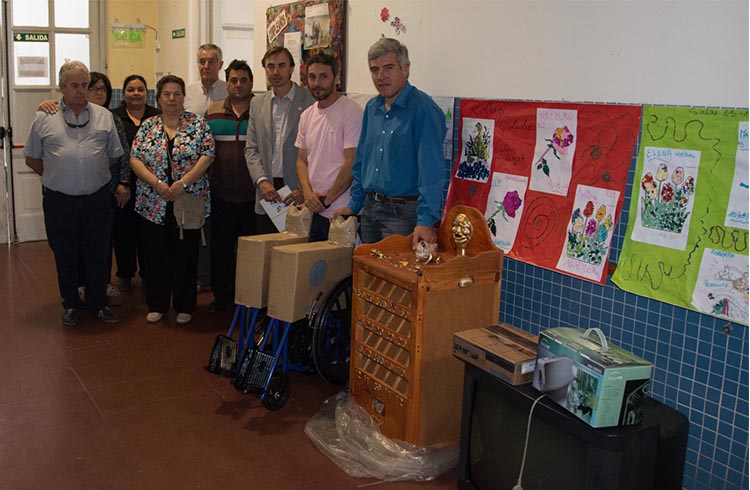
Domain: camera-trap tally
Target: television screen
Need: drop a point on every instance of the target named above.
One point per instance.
(554, 459)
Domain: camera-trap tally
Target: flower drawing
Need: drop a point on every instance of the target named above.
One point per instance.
(384, 14)
(561, 139)
(511, 203)
(678, 176)
(588, 233)
(664, 204)
(476, 165)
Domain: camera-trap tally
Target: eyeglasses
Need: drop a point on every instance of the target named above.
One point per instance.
(101, 90)
(76, 126)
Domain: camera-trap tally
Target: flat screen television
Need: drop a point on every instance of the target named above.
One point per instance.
(564, 453)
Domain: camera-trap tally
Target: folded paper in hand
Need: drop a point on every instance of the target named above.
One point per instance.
(276, 210)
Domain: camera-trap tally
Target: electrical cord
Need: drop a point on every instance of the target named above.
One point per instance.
(518, 486)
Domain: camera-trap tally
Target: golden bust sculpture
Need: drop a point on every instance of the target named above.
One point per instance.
(461, 233)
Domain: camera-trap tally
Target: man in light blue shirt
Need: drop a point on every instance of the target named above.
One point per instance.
(72, 151)
(399, 170)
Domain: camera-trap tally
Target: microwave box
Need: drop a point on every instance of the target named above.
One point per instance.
(502, 350)
(253, 266)
(303, 271)
(601, 384)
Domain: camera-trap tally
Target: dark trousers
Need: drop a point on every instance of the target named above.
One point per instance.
(126, 238)
(229, 221)
(264, 224)
(78, 232)
(170, 264)
(319, 228)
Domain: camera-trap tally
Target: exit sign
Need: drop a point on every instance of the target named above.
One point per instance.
(31, 37)
(178, 33)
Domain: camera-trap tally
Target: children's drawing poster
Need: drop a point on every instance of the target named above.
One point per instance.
(687, 237)
(556, 140)
(504, 144)
(738, 195)
(446, 104)
(589, 232)
(665, 196)
(505, 207)
(722, 286)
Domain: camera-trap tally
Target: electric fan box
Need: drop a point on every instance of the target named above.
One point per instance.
(301, 272)
(254, 265)
(600, 383)
(504, 351)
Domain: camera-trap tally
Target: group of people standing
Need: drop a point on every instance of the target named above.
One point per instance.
(114, 181)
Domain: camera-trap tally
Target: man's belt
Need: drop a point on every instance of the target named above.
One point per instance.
(392, 200)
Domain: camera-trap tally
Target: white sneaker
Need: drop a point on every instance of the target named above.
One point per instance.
(154, 316)
(183, 318)
(112, 290)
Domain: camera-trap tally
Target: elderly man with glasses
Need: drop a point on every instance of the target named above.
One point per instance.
(72, 151)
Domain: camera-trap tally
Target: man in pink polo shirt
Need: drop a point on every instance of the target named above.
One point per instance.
(327, 143)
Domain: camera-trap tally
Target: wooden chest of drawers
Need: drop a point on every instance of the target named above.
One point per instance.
(402, 369)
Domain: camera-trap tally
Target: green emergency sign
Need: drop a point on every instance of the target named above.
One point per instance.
(31, 37)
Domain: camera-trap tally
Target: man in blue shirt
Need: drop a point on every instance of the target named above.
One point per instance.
(72, 150)
(399, 170)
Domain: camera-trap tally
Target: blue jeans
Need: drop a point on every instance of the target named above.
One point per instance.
(383, 219)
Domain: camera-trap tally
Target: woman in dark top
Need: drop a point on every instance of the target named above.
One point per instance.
(132, 111)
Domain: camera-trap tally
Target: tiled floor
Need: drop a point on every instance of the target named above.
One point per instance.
(128, 406)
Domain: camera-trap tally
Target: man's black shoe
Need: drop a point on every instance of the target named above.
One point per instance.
(107, 315)
(70, 317)
(215, 306)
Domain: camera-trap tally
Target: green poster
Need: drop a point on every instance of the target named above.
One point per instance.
(687, 237)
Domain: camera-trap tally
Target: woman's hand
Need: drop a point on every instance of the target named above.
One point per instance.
(177, 188)
(122, 195)
(48, 106)
(164, 191)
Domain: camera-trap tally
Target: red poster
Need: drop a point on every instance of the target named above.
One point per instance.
(549, 177)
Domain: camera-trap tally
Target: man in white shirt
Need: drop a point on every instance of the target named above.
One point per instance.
(198, 96)
(210, 88)
(327, 141)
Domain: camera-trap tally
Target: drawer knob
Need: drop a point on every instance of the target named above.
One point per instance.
(466, 281)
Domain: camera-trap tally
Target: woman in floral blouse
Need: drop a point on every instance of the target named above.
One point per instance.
(170, 255)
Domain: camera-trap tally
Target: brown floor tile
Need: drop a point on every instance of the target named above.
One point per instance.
(129, 406)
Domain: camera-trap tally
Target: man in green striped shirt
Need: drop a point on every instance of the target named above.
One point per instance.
(232, 190)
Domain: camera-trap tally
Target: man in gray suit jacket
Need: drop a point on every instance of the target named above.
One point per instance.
(271, 132)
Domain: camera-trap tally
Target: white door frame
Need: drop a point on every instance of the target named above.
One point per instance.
(25, 190)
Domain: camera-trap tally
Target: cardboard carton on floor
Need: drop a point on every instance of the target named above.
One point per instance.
(502, 350)
(254, 265)
(302, 271)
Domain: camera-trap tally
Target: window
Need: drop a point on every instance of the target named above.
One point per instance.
(41, 45)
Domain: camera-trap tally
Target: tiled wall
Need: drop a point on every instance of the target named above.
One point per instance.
(700, 362)
(117, 97)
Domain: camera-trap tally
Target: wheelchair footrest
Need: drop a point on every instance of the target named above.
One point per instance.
(223, 358)
(254, 372)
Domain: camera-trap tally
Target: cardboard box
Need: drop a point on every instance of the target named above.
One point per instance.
(254, 265)
(300, 272)
(601, 384)
(504, 351)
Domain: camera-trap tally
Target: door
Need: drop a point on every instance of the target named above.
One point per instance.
(43, 35)
(5, 146)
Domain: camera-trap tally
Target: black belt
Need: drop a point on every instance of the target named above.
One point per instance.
(392, 200)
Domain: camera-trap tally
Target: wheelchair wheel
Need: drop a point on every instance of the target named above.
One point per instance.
(331, 334)
(278, 392)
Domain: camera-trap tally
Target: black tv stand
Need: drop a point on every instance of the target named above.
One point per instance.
(564, 452)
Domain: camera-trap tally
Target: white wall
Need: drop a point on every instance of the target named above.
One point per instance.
(178, 56)
(660, 52)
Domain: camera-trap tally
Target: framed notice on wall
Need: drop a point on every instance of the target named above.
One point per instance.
(307, 28)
